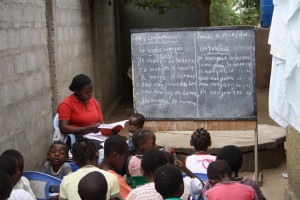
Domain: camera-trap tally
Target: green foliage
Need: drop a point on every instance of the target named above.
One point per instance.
(234, 12)
(222, 12)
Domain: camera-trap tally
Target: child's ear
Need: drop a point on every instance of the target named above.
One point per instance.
(141, 145)
(48, 157)
(97, 154)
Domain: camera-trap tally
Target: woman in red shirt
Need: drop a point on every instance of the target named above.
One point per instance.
(79, 113)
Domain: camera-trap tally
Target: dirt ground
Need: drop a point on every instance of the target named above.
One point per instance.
(273, 183)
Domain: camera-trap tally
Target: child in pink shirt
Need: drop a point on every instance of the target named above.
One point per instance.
(219, 174)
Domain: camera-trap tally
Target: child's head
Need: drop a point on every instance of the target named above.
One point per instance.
(6, 184)
(168, 181)
(233, 156)
(151, 161)
(92, 186)
(219, 171)
(58, 153)
(85, 152)
(9, 164)
(143, 140)
(19, 158)
(200, 140)
(136, 121)
(116, 151)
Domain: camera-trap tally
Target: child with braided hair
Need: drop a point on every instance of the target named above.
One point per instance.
(199, 161)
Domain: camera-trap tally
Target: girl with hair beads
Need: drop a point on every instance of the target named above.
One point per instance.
(144, 141)
(199, 161)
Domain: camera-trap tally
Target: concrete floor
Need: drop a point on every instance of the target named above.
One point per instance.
(273, 183)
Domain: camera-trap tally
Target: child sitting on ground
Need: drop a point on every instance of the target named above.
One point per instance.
(85, 155)
(92, 186)
(219, 174)
(150, 162)
(136, 121)
(6, 184)
(168, 182)
(23, 182)
(144, 141)
(115, 154)
(199, 161)
(234, 157)
(57, 156)
(9, 164)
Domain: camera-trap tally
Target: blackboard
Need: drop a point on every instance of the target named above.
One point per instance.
(194, 73)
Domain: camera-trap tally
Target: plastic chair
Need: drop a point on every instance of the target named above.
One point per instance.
(136, 181)
(203, 177)
(57, 134)
(41, 184)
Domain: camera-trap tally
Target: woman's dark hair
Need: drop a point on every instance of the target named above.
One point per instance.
(115, 143)
(60, 143)
(9, 164)
(83, 150)
(168, 180)
(218, 170)
(140, 135)
(79, 82)
(13, 153)
(6, 184)
(201, 140)
(92, 186)
(152, 160)
(232, 155)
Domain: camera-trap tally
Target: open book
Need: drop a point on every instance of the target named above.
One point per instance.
(106, 128)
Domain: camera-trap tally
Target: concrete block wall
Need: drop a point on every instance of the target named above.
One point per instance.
(73, 47)
(25, 94)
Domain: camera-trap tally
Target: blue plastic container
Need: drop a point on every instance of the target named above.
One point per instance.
(266, 12)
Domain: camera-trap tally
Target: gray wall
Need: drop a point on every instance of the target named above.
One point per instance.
(43, 45)
(25, 92)
(134, 18)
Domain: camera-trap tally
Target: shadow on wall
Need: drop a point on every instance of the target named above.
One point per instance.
(133, 18)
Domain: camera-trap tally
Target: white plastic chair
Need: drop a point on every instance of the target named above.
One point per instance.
(57, 136)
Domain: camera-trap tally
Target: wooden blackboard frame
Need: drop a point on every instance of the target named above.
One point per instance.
(208, 120)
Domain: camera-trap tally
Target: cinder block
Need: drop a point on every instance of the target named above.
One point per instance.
(25, 37)
(20, 63)
(13, 38)
(22, 142)
(4, 100)
(17, 12)
(5, 12)
(12, 118)
(7, 71)
(3, 39)
(30, 61)
(9, 143)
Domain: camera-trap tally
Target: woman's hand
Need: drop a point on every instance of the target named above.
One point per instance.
(94, 128)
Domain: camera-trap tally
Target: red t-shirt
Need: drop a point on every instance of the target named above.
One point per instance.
(73, 110)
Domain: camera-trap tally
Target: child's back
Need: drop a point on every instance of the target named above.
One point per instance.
(230, 190)
(199, 161)
(219, 173)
